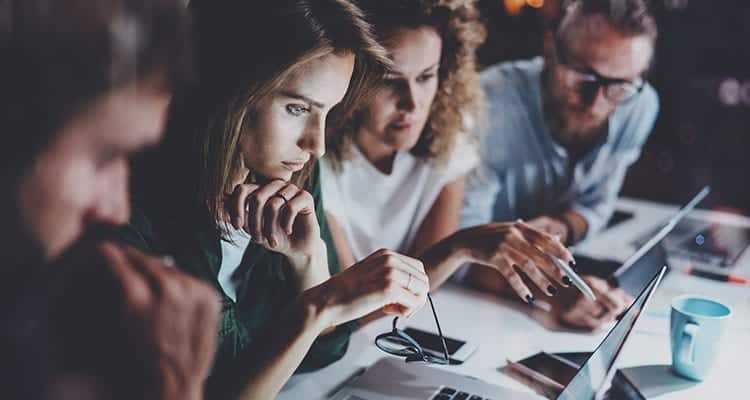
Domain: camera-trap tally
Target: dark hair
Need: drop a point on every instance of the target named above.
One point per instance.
(59, 56)
(631, 17)
(245, 50)
(459, 96)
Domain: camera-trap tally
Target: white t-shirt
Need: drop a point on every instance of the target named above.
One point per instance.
(376, 210)
(231, 258)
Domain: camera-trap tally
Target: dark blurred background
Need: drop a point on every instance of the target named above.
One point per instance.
(702, 74)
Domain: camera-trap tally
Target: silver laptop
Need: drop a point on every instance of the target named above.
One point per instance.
(710, 245)
(633, 274)
(707, 245)
(392, 378)
(640, 267)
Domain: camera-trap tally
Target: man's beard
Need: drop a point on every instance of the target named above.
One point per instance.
(557, 121)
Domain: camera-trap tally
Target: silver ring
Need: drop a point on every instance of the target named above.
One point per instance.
(279, 194)
(167, 260)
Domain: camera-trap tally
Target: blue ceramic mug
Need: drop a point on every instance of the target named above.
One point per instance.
(696, 326)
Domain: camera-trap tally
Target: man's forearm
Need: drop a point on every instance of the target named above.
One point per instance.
(576, 225)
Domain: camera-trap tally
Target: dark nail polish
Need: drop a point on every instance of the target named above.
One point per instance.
(530, 299)
(567, 281)
(551, 290)
(573, 266)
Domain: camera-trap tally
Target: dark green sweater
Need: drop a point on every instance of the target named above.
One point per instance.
(265, 289)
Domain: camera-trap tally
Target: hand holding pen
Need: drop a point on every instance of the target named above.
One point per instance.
(578, 282)
(573, 309)
(515, 249)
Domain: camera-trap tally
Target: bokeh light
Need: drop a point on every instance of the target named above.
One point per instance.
(535, 3)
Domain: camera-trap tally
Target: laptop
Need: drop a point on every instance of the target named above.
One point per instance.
(392, 378)
(708, 244)
(640, 267)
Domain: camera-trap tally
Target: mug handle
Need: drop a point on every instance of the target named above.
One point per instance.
(686, 350)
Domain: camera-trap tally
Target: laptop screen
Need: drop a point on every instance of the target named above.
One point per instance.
(634, 279)
(596, 370)
(657, 238)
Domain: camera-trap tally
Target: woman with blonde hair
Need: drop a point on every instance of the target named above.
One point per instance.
(395, 172)
(233, 195)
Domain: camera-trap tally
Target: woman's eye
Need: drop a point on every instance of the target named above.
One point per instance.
(425, 78)
(296, 109)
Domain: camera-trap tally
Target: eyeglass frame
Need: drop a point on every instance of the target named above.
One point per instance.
(596, 78)
(416, 351)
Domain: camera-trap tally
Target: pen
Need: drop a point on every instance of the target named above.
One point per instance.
(577, 281)
(736, 279)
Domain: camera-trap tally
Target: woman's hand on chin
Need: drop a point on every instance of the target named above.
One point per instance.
(278, 215)
(281, 217)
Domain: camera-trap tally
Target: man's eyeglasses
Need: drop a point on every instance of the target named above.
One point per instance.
(615, 90)
(398, 343)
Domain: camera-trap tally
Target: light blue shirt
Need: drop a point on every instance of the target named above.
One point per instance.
(525, 174)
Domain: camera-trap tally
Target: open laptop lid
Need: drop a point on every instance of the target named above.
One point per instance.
(589, 382)
(664, 231)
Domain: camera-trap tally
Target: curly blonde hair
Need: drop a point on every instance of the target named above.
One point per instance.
(458, 104)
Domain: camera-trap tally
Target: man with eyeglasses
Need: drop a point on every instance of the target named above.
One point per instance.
(563, 130)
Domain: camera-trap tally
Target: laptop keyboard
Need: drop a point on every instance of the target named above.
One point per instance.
(449, 393)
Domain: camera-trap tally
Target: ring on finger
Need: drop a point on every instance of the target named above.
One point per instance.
(287, 193)
(281, 195)
(167, 260)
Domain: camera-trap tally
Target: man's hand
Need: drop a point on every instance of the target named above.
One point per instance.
(171, 319)
(576, 310)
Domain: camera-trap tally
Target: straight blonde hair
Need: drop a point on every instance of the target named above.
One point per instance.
(246, 50)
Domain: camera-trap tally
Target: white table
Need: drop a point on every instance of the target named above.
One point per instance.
(616, 243)
(505, 329)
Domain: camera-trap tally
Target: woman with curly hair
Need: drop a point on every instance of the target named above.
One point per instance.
(395, 171)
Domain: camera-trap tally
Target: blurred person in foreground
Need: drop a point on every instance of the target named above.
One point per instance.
(86, 84)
